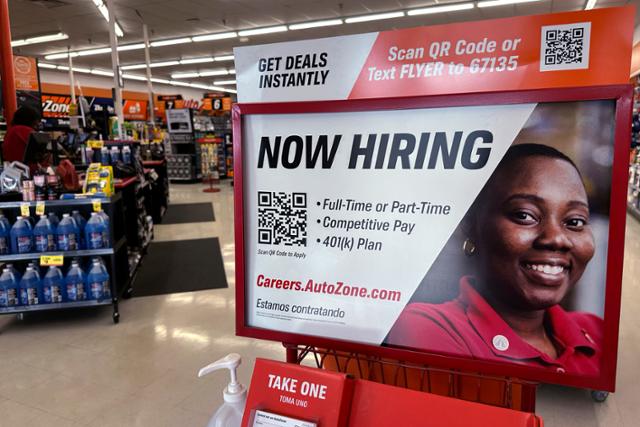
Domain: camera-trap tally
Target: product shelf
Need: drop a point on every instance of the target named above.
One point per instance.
(56, 306)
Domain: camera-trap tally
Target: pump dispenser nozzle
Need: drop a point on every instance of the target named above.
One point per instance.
(234, 392)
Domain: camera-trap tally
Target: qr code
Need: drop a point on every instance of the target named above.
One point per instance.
(565, 47)
(282, 218)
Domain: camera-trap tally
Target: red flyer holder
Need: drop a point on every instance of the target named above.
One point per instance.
(314, 395)
(332, 399)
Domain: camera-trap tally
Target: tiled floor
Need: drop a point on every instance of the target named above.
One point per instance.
(78, 369)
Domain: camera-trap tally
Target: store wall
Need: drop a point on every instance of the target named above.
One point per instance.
(62, 78)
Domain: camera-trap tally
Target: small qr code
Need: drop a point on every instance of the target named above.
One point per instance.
(282, 218)
(565, 47)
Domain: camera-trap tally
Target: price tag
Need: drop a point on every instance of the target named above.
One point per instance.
(51, 260)
(24, 209)
(39, 208)
(95, 143)
(97, 205)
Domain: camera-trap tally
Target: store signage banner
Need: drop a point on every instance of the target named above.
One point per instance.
(570, 49)
(135, 110)
(432, 228)
(25, 71)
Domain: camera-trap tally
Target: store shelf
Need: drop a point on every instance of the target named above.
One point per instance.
(150, 163)
(57, 306)
(60, 203)
(67, 254)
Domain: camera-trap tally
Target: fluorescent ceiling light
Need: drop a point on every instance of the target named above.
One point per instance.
(94, 51)
(164, 64)
(134, 77)
(134, 46)
(316, 24)
(590, 5)
(196, 60)
(63, 68)
(374, 17)
(45, 65)
(171, 42)
(224, 82)
(440, 9)
(199, 86)
(102, 7)
(224, 58)
(232, 71)
(61, 55)
(177, 83)
(81, 70)
(164, 81)
(218, 36)
(184, 75)
(39, 39)
(492, 3)
(266, 30)
(133, 67)
(213, 73)
(102, 73)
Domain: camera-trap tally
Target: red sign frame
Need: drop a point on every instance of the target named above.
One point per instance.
(622, 94)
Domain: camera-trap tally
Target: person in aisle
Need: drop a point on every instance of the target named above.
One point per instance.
(26, 120)
(529, 235)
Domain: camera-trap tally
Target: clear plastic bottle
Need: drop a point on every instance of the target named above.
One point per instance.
(235, 394)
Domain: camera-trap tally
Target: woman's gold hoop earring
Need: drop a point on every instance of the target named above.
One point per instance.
(468, 247)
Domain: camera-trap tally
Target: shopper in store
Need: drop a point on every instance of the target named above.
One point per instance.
(26, 120)
(529, 236)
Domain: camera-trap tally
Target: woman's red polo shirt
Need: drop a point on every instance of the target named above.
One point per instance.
(468, 326)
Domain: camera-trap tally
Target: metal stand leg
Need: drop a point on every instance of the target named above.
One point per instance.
(599, 395)
(529, 397)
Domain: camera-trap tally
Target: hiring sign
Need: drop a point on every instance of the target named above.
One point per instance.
(439, 217)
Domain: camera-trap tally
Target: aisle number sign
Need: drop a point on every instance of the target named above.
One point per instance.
(357, 208)
(51, 260)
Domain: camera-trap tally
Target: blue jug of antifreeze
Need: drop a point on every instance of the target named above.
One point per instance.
(44, 237)
(67, 234)
(106, 239)
(54, 220)
(5, 238)
(21, 236)
(76, 289)
(15, 272)
(94, 232)
(98, 281)
(9, 292)
(30, 288)
(53, 286)
(81, 222)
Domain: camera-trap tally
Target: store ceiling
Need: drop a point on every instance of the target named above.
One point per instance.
(168, 19)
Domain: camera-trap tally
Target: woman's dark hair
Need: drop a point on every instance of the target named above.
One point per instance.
(26, 116)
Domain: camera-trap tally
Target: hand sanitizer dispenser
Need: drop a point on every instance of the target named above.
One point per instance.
(235, 394)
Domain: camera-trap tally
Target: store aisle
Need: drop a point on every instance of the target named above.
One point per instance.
(79, 369)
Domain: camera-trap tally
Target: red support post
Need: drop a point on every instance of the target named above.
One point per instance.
(6, 64)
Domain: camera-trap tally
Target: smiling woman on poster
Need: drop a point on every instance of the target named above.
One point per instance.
(529, 236)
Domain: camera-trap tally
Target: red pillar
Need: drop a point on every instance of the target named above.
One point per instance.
(6, 63)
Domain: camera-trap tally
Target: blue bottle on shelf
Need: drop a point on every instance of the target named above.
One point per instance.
(21, 236)
(31, 288)
(95, 231)
(5, 237)
(75, 283)
(81, 222)
(106, 234)
(44, 236)
(98, 281)
(9, 291)
(53, 286)
(67, 234)
(54, 220)
(15, 272)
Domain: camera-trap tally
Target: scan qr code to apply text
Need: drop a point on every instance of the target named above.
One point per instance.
(565, 47)
(282, 218)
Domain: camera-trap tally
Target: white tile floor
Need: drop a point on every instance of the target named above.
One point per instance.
(78, 369)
